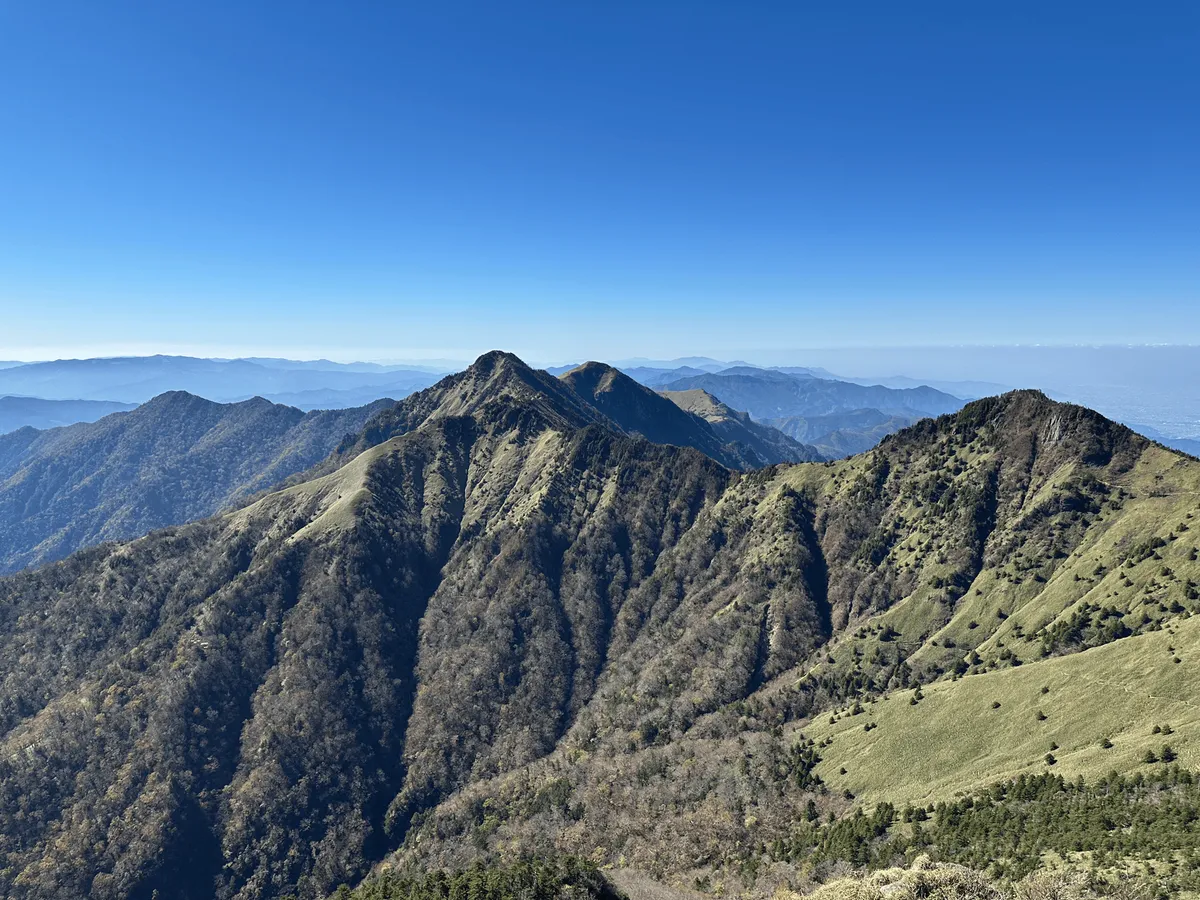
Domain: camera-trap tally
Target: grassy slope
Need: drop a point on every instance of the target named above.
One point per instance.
(1007, 602)
(953, 740)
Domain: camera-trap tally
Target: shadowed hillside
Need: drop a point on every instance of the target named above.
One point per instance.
(174, 459)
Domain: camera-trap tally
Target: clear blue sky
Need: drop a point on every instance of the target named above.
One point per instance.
(595, 179)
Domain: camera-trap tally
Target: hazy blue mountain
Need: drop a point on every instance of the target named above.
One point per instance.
(34, 412)
(657, 374)
(343, 398)
(837, 418)
(1185, 445)
(771, 394)
(137, 379)
(814, 371)
(703, 363)
(1190, 446)
(428, 364)
(656, 378)
(326, 365)
(842, 434)
(1155, 385)
(172, 460)
(967, 390)
(650, 376)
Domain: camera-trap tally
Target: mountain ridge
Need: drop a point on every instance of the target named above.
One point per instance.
(592, 393)
(508, 626)
(138, 379)
(173, 459)
(769, 445)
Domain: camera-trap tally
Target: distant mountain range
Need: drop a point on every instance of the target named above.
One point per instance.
(799, 400)
(322, 384)
(655, 373)
(703, 363)
(838, 416)
(770, 394)
(967, 390)
(19, 412)
(1184, 445)
(137, 379)
(842, 434)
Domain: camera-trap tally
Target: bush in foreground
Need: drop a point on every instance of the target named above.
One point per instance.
(927, 880)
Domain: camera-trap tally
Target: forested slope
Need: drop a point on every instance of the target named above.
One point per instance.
(172, 460)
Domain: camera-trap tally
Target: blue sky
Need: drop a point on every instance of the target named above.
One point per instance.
(595, 179)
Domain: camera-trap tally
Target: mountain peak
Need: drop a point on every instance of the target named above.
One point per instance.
(492, 389)
(1025, 404)
(1029, 421)
(169, 399)
(625, 401)
(594, 377)
(497, 360)
(703, 404)
(499, 388)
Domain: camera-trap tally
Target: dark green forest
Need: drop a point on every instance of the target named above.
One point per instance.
(1146, 823)
(565, 878)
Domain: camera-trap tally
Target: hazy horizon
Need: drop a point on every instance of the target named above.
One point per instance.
(1149, 386)
(760, 357)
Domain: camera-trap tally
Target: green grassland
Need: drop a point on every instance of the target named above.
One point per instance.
(956, 739)
(1106, 626)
